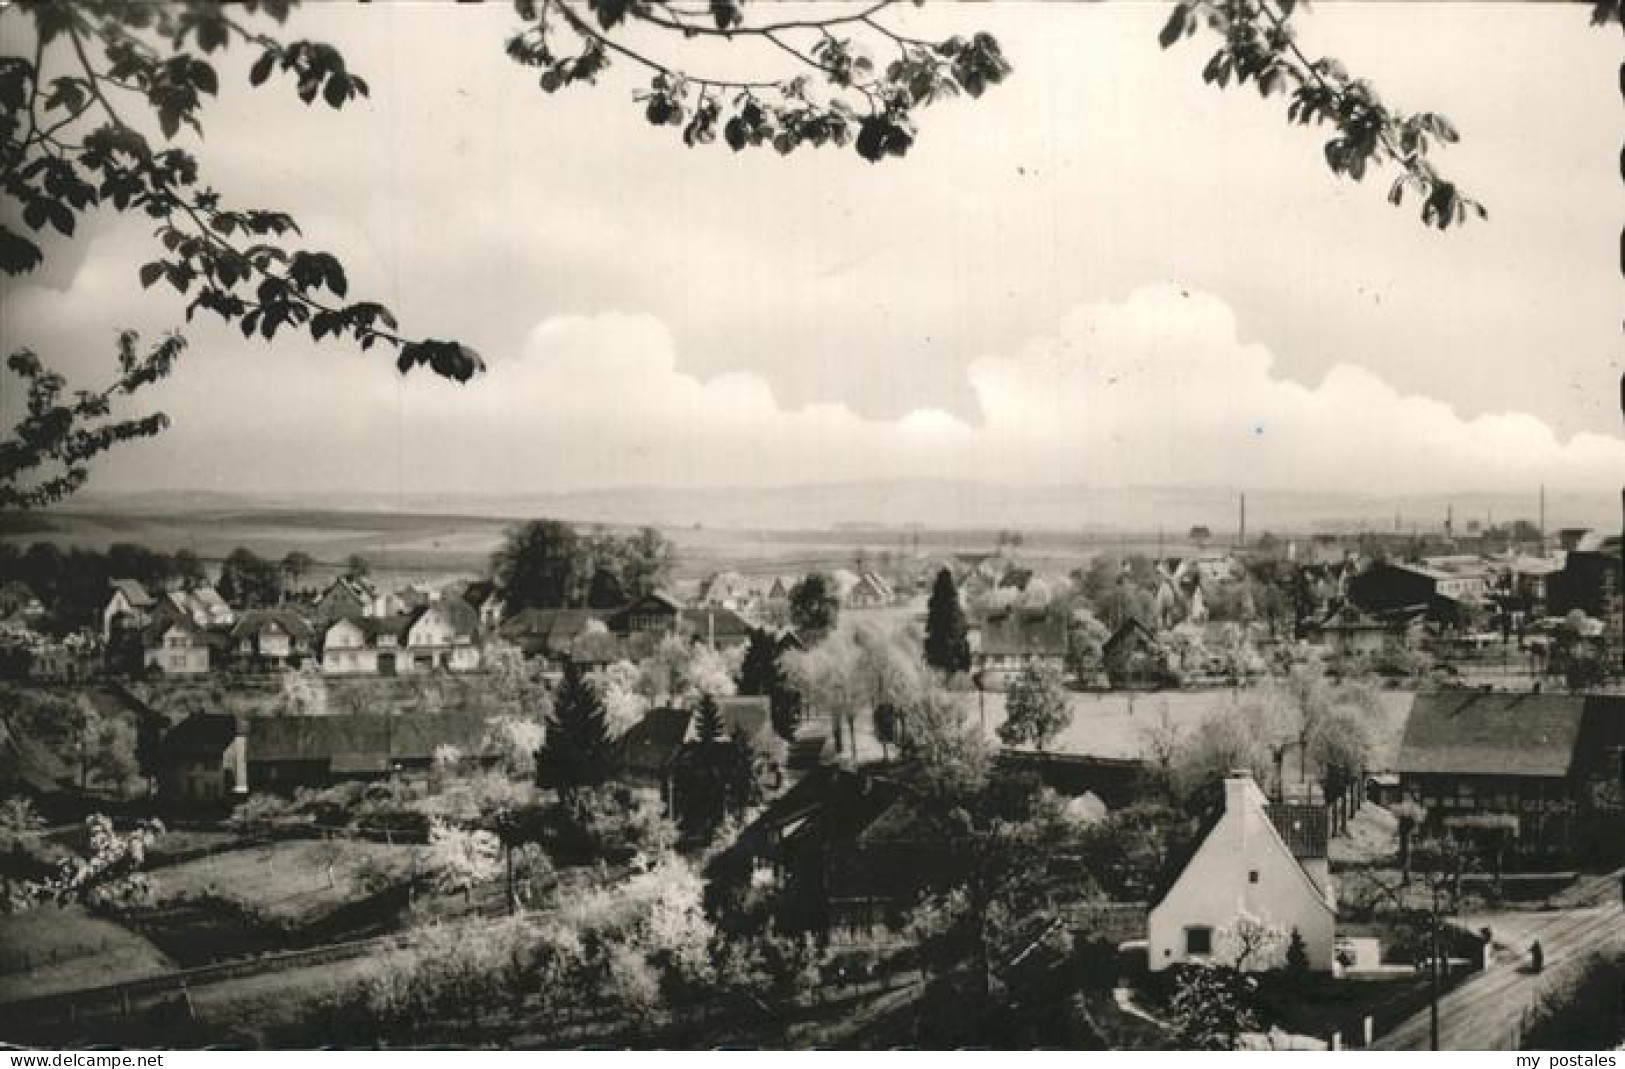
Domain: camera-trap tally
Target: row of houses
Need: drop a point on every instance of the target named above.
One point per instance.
(864, 588)
(212, 757)
(444, 634)
(598, 637)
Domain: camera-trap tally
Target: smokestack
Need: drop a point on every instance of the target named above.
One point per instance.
(1543, 518)
(1243, 538)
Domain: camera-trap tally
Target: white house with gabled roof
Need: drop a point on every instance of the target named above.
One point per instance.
(1254, 859)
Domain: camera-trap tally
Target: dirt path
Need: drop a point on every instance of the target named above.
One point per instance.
(1489, 1011)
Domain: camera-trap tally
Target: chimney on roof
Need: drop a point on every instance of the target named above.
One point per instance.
(1238, 788)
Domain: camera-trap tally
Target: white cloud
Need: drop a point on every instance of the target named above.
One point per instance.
(1154, 389)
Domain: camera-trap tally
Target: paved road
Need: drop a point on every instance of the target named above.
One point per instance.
(1487, 1012)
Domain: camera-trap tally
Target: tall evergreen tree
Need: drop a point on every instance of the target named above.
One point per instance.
(947, 644)
(577, 751)
(759, 672)
(707, 721)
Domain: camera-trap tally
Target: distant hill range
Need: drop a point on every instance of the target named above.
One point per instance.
(930, 504)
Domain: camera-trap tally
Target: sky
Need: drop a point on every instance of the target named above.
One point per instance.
(1103, 271)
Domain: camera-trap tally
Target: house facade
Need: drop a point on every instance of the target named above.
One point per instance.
(204, 759)
(442, 636)
(869, 591)
(1134, 657)
(175, 646)
(349, 597)
(1243, 866)
(128, 605)
(488, 604)
(271, 638)
(1349, 633)
(1009, 641)
(1542, 761)
(348, 647)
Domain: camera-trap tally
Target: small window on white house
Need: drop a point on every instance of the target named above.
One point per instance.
(1198, 941)
(1252, 877)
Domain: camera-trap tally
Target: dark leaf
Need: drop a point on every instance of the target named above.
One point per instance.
(726, 13)
(204, 77)
(337, 91)
(261, 70)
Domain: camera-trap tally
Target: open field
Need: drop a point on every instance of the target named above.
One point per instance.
(1117, 723)
(60, 949)
(431, 547)
(292, 883)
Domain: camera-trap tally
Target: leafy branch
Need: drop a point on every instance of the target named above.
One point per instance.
(866, 104)
(1261, 46)
(66, 149)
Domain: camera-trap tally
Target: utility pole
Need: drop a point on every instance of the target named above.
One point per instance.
(1433, 971)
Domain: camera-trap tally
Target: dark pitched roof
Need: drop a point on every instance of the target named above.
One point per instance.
(170, 620)
(201, 733)
(479, 592)
(1023, 634)
(1304, 828)
(255, 620)
(655, 599)
(1474, 733)
(463, 616)
(552, 629)
(373, 626)
(651, 745)
(725, 624)
(1129, 629)
(358, 590)
(133, 592)
(840, 802)
(362, 740)
(27, 764)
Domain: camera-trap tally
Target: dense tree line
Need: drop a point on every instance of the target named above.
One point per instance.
(73, 583)
(547, 564)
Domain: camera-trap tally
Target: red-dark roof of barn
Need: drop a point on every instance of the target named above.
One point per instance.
(1497, 734)
(1020, 633)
